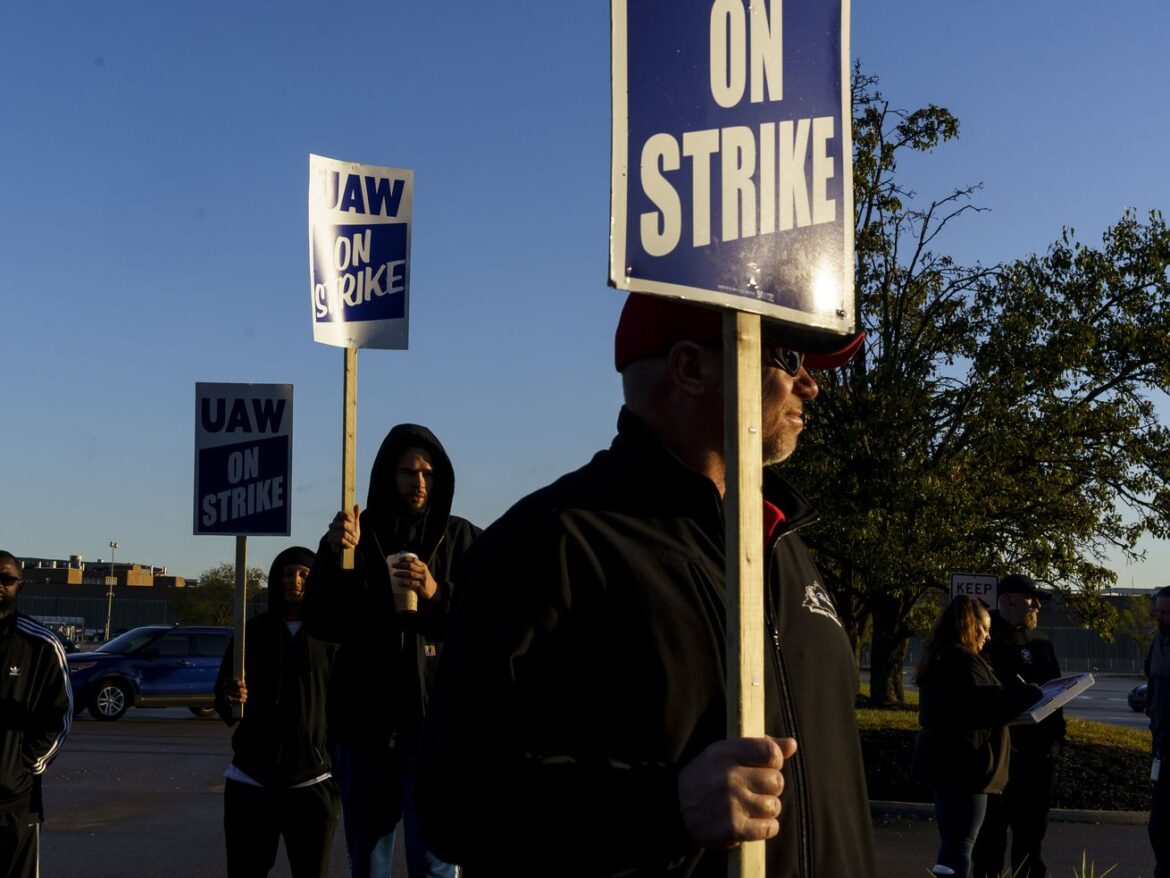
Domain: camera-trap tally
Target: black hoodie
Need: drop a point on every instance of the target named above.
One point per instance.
(386, 659)
(280, 742)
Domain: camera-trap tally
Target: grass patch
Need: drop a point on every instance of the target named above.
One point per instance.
(1102, 767)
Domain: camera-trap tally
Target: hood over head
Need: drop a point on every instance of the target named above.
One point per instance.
(396, 527)
(292, 555)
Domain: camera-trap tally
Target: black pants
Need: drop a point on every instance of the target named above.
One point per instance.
(1023, 808)
(255, 818)
(19, 846)
(1159, 826)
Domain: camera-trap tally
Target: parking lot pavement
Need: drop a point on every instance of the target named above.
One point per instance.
(906, 846)
(144, 796)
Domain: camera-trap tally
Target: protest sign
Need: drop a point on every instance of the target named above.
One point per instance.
(731, 156)
(731, 185)
(243, 475)
(359, 253)
(243, 459)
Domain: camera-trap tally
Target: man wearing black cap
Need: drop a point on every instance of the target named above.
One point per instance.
(1017, 650)
(578, 721)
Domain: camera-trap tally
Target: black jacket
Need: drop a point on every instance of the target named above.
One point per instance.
(1018, 652)
(1158, 693)
(386, 660)
(280, 742)
(585, 666)
(964, 712)
(36, 709)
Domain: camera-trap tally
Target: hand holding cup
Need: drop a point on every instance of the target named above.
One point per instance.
(405, 592)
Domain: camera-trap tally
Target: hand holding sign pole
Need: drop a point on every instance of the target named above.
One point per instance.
(732, 186)
(359, 276)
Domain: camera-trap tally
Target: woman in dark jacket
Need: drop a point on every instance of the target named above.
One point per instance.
(963, 749)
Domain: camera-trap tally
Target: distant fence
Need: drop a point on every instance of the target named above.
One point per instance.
(126, 613)
(1076, 650)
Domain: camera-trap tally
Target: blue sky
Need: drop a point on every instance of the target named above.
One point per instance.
(153, 226)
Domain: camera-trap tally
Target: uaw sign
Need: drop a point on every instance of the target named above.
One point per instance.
(243, 459)
(731, 156)
(359, 253)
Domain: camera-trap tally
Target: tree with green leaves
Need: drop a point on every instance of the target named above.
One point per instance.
(1000, 418)
(212, 600)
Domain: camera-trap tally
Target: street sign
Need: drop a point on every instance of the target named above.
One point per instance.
(359, 253)
(243, 459)
(983, 586)
(731, 157)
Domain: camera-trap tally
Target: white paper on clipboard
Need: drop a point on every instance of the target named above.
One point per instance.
(1057, 693)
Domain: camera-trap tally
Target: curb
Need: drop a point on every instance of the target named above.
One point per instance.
(923, 811)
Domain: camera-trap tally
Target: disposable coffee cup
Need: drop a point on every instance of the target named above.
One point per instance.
(405, 599)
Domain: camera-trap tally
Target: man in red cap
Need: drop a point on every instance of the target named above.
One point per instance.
(578, 721)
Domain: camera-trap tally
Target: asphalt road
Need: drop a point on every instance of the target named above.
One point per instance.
(143, 796)
(1105, 702)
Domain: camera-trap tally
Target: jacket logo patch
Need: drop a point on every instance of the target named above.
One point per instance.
(1026, 655)
(13, 671)
(817, 600)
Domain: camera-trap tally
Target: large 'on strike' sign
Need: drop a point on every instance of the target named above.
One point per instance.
(732, 177)
(243, 459)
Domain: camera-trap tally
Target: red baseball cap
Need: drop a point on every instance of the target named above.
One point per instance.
(650, 325)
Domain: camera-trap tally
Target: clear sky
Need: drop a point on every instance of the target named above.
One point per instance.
(153, 226)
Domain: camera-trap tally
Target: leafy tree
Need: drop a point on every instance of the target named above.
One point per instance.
(1135, 621)
(1000, 418)
(212, 600)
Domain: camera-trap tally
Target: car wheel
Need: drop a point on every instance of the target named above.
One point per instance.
(202, 712)
(109, 701)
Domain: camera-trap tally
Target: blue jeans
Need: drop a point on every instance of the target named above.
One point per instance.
(377, 791)
(958, 815)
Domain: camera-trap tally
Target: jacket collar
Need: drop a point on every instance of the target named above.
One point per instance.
(655, 468)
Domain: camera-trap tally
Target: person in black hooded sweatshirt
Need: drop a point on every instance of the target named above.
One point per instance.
(379, 692)
(279, 781)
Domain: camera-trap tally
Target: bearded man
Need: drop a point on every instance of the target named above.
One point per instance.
(1018, 651)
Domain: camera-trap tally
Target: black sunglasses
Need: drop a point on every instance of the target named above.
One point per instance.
(8, 580)
(785, 359)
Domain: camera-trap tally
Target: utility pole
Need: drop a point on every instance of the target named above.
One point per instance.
(110, 580)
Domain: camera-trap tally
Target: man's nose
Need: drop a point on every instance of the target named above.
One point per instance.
(805, 386)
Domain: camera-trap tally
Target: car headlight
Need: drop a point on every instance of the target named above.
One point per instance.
(81, 666)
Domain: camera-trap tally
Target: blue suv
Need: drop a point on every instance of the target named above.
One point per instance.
(153, 666)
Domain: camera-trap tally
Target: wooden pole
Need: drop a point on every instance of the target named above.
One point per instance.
(241, 615)
(349, 443)
(743, 506)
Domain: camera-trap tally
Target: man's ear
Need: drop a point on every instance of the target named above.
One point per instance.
(694, 369)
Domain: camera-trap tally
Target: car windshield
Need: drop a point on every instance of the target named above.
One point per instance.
(130, 641)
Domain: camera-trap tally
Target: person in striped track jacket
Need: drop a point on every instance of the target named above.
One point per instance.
(36, 711)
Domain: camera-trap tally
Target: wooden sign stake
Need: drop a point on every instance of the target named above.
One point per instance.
(349, 443)
(744, 511)
(241, 615)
